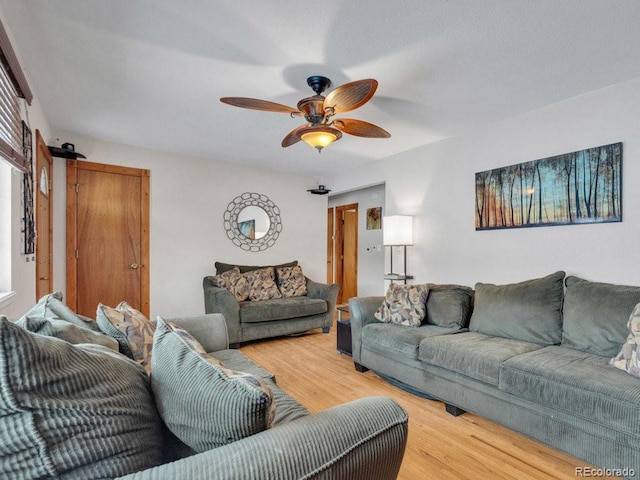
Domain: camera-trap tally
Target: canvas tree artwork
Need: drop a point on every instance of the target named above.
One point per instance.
(573, 188)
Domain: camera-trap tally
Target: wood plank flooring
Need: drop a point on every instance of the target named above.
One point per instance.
(440, 446)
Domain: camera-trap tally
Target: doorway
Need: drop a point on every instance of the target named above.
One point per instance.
(346, 251)
(44, 218)
(107, 236)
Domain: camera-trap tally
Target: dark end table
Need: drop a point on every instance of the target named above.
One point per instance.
(343, 329)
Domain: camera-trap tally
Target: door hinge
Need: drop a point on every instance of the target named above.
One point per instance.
(77, 253)
(77, 185)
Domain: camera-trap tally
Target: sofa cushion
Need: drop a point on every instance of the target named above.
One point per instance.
(262, 284)
(132, 330)
(223, 267)
(291, 281)
(50, 306)
(596, 315)
(580, 383)
(472, 354)
(281, 309)
(73, 411)
(404, 304)
(449, 305)
(236, 360)
(202, 403)
(233, 281)
(627, 359)
(393, 340)
(66, 331)
(530, 311)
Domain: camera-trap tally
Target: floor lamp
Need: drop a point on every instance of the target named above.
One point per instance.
(397, 231)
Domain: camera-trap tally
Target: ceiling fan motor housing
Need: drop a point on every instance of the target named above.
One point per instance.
(313, 109)
(318, 83)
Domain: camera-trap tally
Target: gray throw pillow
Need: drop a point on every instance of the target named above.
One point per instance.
(72, 411)
(530, 311)
(449, 306)
(202, 403)
(223, 267)
(50, 306)
(596, 315)
(66, 331)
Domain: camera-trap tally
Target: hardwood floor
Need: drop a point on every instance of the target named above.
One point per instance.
(440, 446)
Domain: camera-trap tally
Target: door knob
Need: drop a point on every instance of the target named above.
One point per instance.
(134, 266)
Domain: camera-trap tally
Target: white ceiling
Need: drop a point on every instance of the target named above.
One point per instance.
(150, 72)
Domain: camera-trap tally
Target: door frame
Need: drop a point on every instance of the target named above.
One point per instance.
(339, 245)
(43, 239)
(72, 226)
(330, 247)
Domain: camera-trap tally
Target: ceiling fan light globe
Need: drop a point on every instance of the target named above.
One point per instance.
(320, 137)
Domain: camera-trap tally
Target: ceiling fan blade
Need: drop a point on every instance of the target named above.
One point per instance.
(360, 128)
(255, 104)
(293, 136)
(351, 95)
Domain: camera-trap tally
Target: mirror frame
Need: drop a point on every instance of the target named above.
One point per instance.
(232, 212)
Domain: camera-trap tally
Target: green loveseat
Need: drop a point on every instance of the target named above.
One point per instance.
(252, 320)
(72, 409)
(533, 356)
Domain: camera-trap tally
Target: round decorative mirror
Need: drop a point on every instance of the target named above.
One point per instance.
(252, 222)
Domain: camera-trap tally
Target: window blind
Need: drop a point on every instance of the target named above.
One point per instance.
(13, 85)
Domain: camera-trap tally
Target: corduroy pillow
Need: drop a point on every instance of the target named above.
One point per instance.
(204, 404)
(51, 306)
(66, 331)
(530, 311)
(72, 411)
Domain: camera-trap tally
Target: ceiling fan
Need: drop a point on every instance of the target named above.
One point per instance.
(321, 129)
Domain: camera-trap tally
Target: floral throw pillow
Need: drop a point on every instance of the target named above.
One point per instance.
(291, 281)
(404, 305)
(262, 284)
(233, 281)
(133, 331)
(627, 359)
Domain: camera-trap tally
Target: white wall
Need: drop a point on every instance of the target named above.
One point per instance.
(370, 259)
(188, 198)
(22, 266)
(436, 183)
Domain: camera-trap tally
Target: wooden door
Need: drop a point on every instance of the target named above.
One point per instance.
(346, 251)
(107, 236)
(330, 245)
(44, 217)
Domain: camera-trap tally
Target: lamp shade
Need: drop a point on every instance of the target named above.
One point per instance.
(397, 230)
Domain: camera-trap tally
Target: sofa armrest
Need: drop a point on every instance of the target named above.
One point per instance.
(210, 330)
(367, 440)
(361, 310)
(328, 292)
(221, 300)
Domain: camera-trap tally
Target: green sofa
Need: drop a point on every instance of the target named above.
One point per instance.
(533, 356)
(254, 320)
(72, 406)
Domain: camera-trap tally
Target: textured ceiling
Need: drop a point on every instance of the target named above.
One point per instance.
(150, 72)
